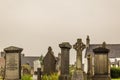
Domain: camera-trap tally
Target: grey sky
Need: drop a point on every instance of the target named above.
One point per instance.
(36, 24)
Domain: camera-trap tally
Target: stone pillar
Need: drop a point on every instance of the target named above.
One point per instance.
(90, 69)
(65, 48)
(79, 46)
(101, 63)
(39, 74)
(109, 66)
(13, 63)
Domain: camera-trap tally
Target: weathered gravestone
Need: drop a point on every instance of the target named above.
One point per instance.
(39, 74)
(90, 67)
(36, 67)
(49, 62)
(65, 48)
(13, 63)
(58, 63)
(101, 63)
(79, 47)
(26, 69)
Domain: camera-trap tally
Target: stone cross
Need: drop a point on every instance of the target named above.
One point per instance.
(79, 46)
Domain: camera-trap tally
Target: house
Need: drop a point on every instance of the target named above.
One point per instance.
(28, 59)
(114, 54)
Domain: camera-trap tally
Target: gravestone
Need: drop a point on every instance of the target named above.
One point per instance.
(34, 77)
(39, 74)
(49, 62)
(101, 63)
(26, 69)
(36, 65)
(65, 48)
(90, 67)
(79, 46)
(58, 63)
(13, 63)
(118, 63)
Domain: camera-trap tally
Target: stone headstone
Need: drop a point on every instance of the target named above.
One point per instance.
(36, 65)
(26, 69)
(34, 77)
(58, 63)
(118, 63)
(65, 48)
(49, 62)
(101, 63)
(13, 63)
(79, 46)
(90, 67)
(39, 73)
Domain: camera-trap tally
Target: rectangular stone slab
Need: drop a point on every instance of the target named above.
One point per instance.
(12, 66)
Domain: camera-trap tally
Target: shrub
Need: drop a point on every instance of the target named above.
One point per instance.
(26, 77)
(115, 72)
(50, 77)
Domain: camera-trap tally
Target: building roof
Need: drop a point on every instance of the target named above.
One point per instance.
(28, 59)
(114, 50)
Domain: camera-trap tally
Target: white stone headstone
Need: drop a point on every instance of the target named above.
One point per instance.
(34, 77)
(36, 65)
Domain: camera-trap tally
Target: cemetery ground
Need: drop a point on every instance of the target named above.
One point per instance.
(50, 67)
(116, 79)
(45, 78)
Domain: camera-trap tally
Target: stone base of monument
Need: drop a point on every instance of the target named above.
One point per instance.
(101, 77)
(64, 77)
(78, 75)
(12, 79)
(89, 77)
(34, 77)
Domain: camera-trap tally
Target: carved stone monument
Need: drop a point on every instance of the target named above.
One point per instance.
(49, 62)
(79, 46)
(36, 65)
(101, 63)
(65, 48)
(13, 63)
(90, 67)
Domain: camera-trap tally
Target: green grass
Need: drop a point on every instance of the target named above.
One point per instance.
(26, 77)
(50, 77)
(116, 79)
(1, 78)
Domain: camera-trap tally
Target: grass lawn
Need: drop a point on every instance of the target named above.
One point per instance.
(116, 79)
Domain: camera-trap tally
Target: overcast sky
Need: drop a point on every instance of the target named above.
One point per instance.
(36, 24)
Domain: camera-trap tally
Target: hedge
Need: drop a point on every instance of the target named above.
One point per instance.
(115, 72)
